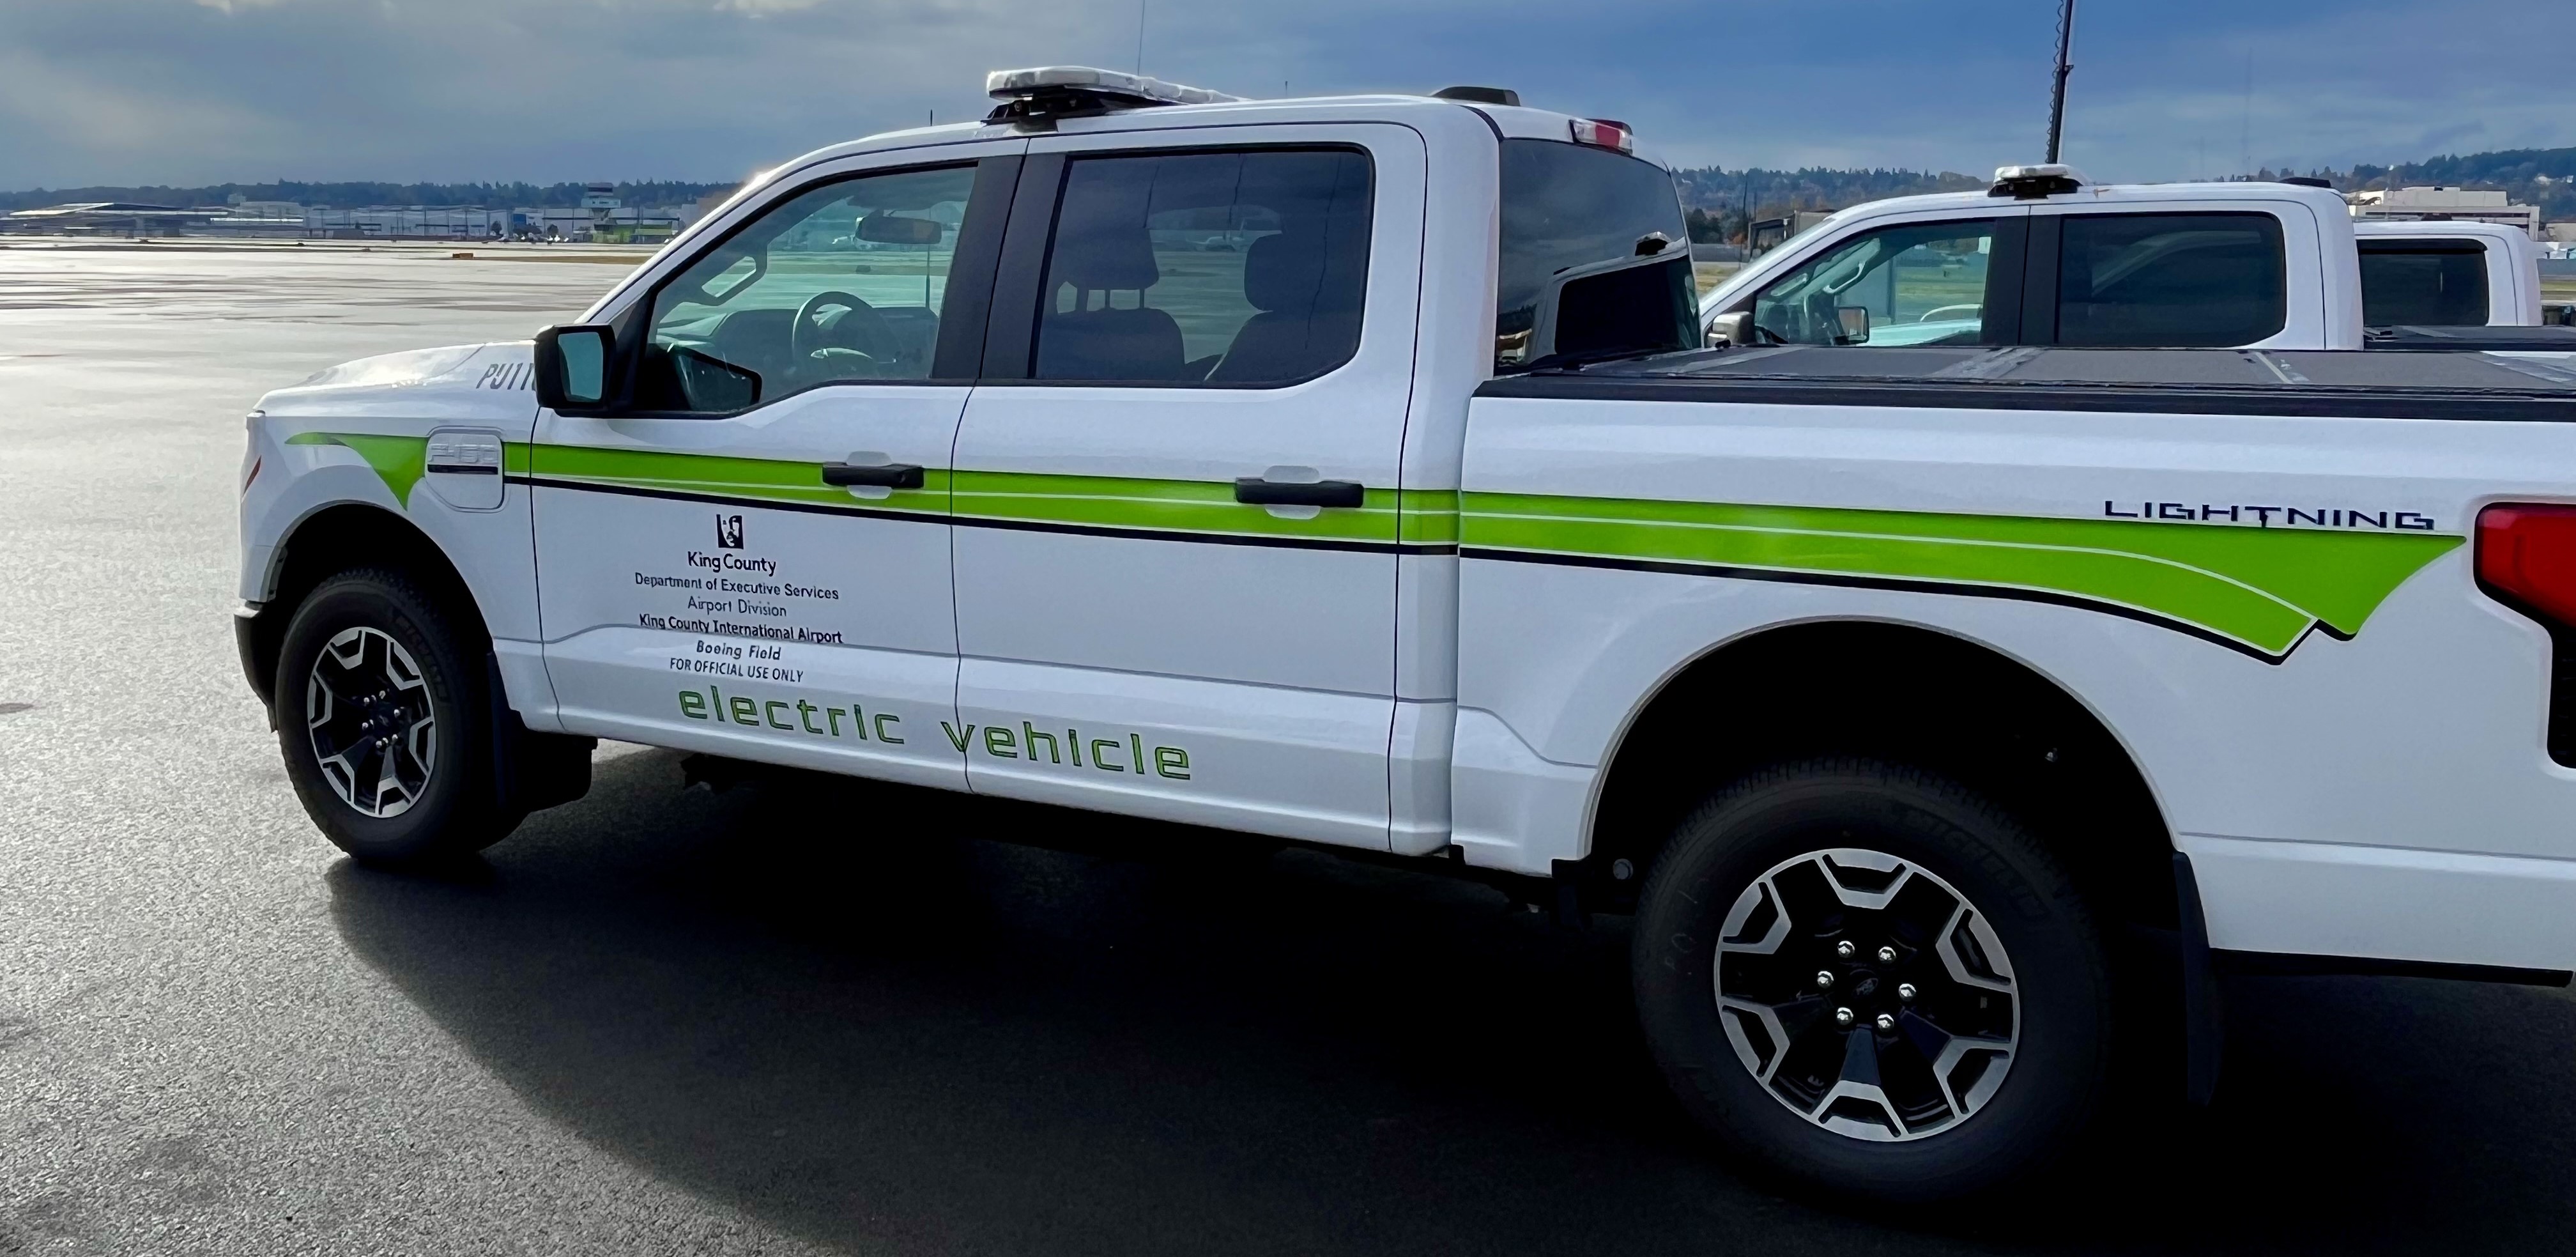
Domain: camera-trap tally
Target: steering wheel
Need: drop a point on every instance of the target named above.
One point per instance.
(1937, 311)
(859, 323)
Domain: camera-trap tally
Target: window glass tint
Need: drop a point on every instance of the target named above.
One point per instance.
(2436, 283)
(1920, 285)
(1568, 205)
(1215, 268)
(840, 283)
(2169, 280)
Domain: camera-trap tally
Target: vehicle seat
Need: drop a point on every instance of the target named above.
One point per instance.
(1309, 321)
(1094, 340)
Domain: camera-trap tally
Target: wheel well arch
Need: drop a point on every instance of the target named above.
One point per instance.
(334, 539)
(1902, 692)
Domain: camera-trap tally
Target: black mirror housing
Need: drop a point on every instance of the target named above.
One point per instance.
(572, 367)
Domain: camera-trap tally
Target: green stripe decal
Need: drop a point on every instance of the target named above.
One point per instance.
(717, 475)
(400, 460)
(2263, 587)
(1185, 506)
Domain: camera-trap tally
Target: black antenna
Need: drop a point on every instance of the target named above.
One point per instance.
(2057, 95)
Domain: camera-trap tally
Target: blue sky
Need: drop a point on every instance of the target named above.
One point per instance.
(197, 91)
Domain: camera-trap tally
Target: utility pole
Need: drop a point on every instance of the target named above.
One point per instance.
(2057, 95)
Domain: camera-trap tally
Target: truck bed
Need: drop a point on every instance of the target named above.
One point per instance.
(2355, 384)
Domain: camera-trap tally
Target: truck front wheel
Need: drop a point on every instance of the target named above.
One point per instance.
(1872, 979)
(382, 717)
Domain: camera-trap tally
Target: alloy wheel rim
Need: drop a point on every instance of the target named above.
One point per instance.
(1867, 995)
(368, 715)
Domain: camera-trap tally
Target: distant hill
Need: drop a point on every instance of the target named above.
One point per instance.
(1718, 199)
(2545, 177)
(361, 195)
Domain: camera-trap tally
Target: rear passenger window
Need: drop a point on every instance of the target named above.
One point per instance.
(1237, 268)
(2421, 283)
(2170, 280)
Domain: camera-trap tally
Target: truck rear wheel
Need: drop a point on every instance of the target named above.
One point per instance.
(1873, 980)
(382, 717)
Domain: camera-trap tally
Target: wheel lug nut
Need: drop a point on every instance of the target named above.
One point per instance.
(1887, 955)
(1842, 1016)
(1905, 991)
(1845, 950)
(1824, 980)
(1886, 1022)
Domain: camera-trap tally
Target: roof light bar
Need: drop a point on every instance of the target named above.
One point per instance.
(2030, 183)
(1007, 85)
(1604, 133)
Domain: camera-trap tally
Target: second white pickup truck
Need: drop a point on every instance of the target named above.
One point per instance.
(2046, 258)
(1343, 471)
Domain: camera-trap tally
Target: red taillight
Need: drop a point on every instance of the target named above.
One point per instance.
(2527, 552)
(1604, 133)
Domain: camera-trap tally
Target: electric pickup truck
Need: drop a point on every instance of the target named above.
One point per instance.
(2046, 258)
(1350, 471)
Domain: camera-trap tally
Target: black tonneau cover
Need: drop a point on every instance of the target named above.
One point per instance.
(2551, 338)
(2348, 383)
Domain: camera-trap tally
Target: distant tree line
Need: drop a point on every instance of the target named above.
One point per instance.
(360, 195)
(1717, 202)
(2545, 177)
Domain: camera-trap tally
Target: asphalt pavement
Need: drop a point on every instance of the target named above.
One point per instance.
(809, 1016)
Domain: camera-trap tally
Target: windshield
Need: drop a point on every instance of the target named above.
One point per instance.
(1566, 205)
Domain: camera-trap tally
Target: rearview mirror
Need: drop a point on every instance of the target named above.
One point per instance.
(572, 367)
(1732, 328)
(896, 229)
(1853, 325)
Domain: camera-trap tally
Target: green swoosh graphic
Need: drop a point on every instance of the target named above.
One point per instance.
(2263, 587)
(399, 460)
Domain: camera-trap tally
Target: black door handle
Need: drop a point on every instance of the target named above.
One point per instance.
(883, 476)
(1255, 491)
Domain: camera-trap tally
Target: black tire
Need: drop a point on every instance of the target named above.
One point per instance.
(1758, 843)
(377, 623)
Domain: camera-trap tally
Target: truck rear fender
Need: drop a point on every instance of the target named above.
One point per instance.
(1899, 692)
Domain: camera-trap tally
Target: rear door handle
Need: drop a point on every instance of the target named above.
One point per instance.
(1255, 491)
(883, 475)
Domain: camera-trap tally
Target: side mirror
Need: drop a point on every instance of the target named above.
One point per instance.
(1732, 328)
(1853, 324)
(896, 229)
(1644, 304)
(712, 385)
(572, 367)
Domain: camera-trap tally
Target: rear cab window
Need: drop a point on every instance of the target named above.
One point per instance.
(2420, 281)
(1567, 206)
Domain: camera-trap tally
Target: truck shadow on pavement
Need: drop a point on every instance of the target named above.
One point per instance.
(843, 1011)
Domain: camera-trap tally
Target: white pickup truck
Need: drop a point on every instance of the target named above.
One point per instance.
(1295, 467)
(2046, 258)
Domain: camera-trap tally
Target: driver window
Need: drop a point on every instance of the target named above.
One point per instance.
(838, 284)
(1917, 285)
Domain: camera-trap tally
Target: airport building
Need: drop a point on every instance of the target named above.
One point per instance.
(2440, 204)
